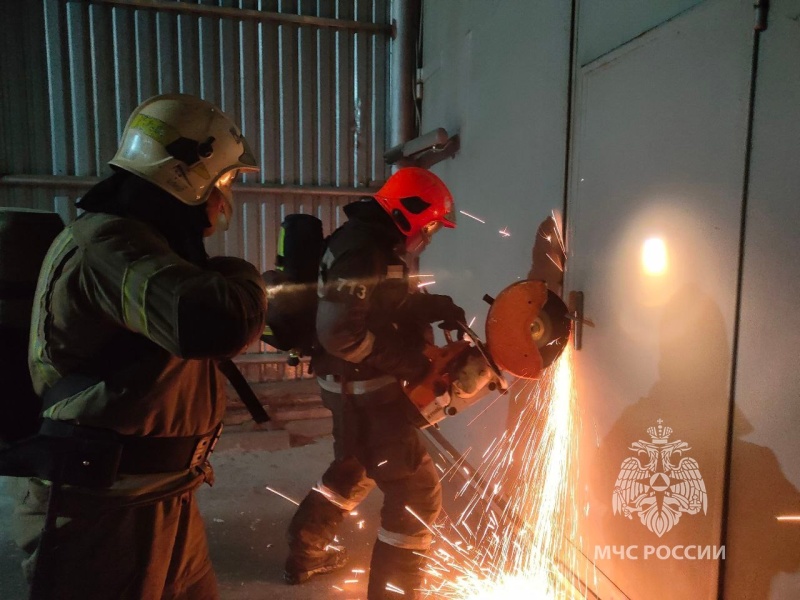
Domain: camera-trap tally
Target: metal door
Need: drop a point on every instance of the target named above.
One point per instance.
(653, 221)
(763, 537)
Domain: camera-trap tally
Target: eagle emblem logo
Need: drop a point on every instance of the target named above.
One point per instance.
(662, 485)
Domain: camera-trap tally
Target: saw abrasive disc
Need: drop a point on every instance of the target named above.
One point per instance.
(527, 328)
(555, 328)
(509, 325)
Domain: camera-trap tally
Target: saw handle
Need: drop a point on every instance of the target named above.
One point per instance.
(448, 337)
(438, 379)
(460, 328)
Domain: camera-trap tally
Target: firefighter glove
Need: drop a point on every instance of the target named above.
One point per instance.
(450, 314)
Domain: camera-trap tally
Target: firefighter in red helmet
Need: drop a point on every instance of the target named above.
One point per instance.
(422, 214)
(372, 324)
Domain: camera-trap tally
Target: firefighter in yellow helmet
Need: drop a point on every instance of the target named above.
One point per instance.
(130, 320)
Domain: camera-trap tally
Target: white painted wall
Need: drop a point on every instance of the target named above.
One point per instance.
(496, 74)
(607, 24)
(667, 150)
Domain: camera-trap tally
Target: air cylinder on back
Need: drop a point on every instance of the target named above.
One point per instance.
(25, 236)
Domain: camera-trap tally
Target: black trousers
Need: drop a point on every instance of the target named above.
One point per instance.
(375, 443)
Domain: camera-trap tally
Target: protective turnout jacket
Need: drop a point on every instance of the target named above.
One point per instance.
(365, 321)
(116, 304)
(372, 327)
(129, 322)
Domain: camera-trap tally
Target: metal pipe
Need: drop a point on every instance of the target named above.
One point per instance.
(303, 190)
(247, 14)
(402, 71)
(69, 182)
(48, 181)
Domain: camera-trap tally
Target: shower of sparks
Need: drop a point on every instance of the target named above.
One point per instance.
(421, 275)
(514, 538)
(559, 237)
(422, 284)
(284, 496)
(558, 264)
(471, 322)
(390, 587)
(504, 232)
(383, 462)
(789, 518)
(463, 212)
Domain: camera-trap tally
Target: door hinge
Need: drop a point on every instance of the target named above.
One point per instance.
(418, 86)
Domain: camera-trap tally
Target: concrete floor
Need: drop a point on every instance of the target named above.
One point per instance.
(246, 524)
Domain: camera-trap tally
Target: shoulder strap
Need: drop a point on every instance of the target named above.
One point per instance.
(244, 391)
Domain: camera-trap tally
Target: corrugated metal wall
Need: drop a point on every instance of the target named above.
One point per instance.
(310, 100)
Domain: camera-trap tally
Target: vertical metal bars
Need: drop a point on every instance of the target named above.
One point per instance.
(309, 95)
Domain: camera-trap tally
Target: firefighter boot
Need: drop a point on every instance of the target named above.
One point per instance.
(394, 568)
(310, 537)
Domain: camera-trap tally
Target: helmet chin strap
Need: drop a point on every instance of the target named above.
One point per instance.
(416, 243)
(224, 216)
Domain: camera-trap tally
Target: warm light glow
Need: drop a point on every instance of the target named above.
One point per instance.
(654, 256)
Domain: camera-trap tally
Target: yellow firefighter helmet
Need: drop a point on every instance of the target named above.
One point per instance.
(185, 146)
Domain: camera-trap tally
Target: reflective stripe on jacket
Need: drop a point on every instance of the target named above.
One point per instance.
(116, 303)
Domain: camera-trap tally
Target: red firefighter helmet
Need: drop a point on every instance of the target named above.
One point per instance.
(418, 202)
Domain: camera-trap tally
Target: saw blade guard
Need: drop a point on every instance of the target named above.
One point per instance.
(527, 328)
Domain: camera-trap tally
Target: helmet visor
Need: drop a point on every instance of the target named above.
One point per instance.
(225, 183)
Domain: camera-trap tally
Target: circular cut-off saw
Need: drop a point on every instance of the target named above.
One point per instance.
(527, 328)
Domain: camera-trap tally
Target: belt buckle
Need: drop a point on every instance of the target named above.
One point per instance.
(205, 446)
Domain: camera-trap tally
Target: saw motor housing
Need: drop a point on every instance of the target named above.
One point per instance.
(460, 375)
